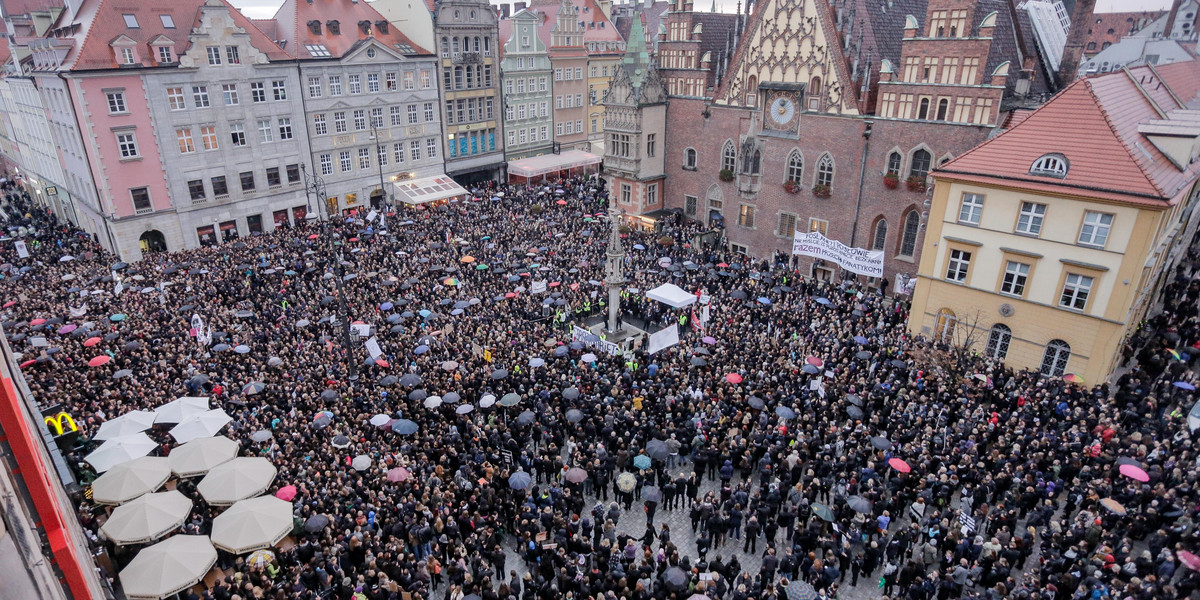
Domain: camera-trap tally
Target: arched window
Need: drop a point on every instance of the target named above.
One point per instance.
(728, 157)
(920, 164)
(893, 163)
(825, 170)
(1050, 165)
(1091, 46)
(923, 109)
(814, 94)
(689, 158)
(908, 240)
(755, 166)
(943, 109)
(943, 329)
(795, 167)
(445, 44)
(1056, 357)
(478, 44)
(752, 92)
(997, 342)
(454, 45)
(879, 238)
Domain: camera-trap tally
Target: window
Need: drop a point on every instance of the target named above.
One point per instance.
(326, 161)
(429, 112)
(355, 83)
(344, 161)
(273, 179)
(728, 157)
(200, 96)
(339, 122)
(958, 265)
(377, 117)
(186, 144)
(431, 147)
(1015, 276)
(825, 171)
(258, 92)
(360, 120)
(879, 236)
(141, 200)
(175, 99)
(364, 158)
(690, 203)
(746, 215)
(279, 89)
(1075, 292)
(971, 209)
(335, 85)
(893, 163)
(214, 55)
(320, 127)
(317, 50)
(412, 114)
(372, 83)
(293, 173)
(220, 188)
(231, 55)
(652, 194)
(943, 109)
(921, 159)
(127, 144)
(237, 134)
(943, 329)
(247, 178)
(398, 151)
(1050, 165)
(626, 193)
(426, 80)
(787, 225)
(1096, 226)
(414, 150)
(1030, 219)
(409, 81)
(285, 128)
(264, 131)
(116, 103)
(923, 105)
(795, 167)
(998, 340)
(820, 226)
(912, 226)
(314, 87)
(650, 142)
(167, 21)
(229, 91)
(689, 159)
(1055, 359)
(208, 137)
(196, 190)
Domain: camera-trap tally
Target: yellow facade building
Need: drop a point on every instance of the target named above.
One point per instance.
(1046, 245)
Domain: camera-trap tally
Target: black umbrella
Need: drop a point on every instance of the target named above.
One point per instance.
(499, 373)
(756, 403)
(738, 295)
(859, 504)
(651, 494)
(657, 449)
(863, 355)
(675, 578)
(120, 266)
(388, 380)
(316, 523)
(199, 379)
(525, 418)
(698, 362)
(410, 380)
(855, 400)
(418, 395)
(854, 411)
(574, 415)
(570, 393)
(899, 363)
(881, 442)
(328, 395)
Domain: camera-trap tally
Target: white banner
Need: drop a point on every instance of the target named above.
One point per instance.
(856, 260)
(578, 333)
(373, 348)
(538, 287)
(663, 339)
(904, 284)
(363, 330)
(22, 250)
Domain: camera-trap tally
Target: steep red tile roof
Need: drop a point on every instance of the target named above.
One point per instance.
(102, 22)
(1094, 124)
(269, 27)
(294, 15)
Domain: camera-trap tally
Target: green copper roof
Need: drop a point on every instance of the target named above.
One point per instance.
(637, 57)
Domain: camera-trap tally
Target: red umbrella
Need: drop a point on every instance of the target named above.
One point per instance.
(733, 378)
(561, 202)
(88, 343)
(10, 304)
(28, 363)
(1134, 472)
(286, 493)
(511, 295)
(399, 474)
(37, 321)
(99, 361)
(899, 465)
(555, 283)
(313, 236)
(1189, 560)
(816, 362)
(382, 363)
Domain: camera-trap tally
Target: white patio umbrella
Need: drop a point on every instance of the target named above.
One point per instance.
(198, 456)
(135, 421)
(252, 524)
(200, 425)
(129, 480)
(179, 409)
(147, 518)
(238, 479)
(168, 567)
(120, 449)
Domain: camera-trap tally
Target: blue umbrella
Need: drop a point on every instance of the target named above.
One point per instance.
(404, 427)
(576, 345)
(858, 339)
(422, 349)
(519, 480)
(641, 461)
(386, 306)
(536, 362)
(638, 247)
(764, 300)
(560, 351)
(117, 318)
(424, 313)
(1183, 385)
(785, 412)
(456, 312)
(822, 301)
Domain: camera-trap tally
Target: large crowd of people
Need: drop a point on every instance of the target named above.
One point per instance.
(780, 425)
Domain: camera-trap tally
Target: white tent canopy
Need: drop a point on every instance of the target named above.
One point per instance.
(551, 163)
(129, 423)
(168, 567)
(179, 409)
(200, 455)
(672, 295)
(252, 524)
(240, 478)
(129, 480)
(198, 425)
(147, 518)
(427, 189)
(120, 449)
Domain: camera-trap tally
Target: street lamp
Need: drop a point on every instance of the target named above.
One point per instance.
(313, 184)
(378, 160)
(339, 272)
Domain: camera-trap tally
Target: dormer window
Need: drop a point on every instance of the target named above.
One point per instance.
(131, 21)
(315, 27)
(127, 56)
(167, 21)
(365, 27)
(335, 27)
(1050, 165)
(381, 27)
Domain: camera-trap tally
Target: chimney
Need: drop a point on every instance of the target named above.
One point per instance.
(1076, 38)
(1171, 14)
(519, 6)
(504, 8)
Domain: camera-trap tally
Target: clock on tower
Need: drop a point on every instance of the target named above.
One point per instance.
(783, 111)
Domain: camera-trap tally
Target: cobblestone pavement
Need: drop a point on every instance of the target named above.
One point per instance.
(633, 523)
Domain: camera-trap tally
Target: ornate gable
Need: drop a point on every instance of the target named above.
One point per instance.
(789, 43)
(620, 91)
(653, 89)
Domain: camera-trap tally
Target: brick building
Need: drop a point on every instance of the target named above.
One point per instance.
(801, 126)
(635, 125)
